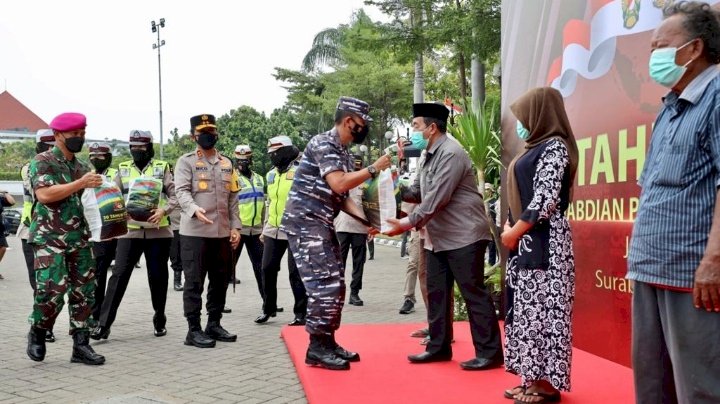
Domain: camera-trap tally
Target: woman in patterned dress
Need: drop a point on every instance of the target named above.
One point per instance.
(540, 269)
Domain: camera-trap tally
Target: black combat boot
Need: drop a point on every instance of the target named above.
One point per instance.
(36, 344)
(196, 337)
(215, 331)
(83, 352)
(342, 352)
(177, 282)
(355, 299)
(320, 353)
(49, 336)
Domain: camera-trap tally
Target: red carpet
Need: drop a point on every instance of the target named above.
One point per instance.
(384, 374)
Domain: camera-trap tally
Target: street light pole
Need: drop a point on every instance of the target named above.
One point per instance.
(157, 45)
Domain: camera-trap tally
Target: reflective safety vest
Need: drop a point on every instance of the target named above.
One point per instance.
(251, 199)
(28, 196)
(155, 169)
(278, 190)
(110, 174)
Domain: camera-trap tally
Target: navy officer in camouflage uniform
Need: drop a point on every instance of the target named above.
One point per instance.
(320, 190)
(60, 237)
(206, 186)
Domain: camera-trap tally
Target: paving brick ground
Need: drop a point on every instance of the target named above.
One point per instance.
(141, 368)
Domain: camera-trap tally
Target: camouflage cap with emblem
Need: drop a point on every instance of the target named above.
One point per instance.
(200, 122)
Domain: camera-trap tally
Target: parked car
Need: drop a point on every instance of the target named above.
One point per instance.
(11, 220)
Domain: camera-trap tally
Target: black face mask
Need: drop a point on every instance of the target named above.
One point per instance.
(207, 140)
(42, 147)
(244, 166)
(283, 157)
(74, 144)
(142, 157)
(359, 133)
(101, 164)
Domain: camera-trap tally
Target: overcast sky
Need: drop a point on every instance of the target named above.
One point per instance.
(96, 57)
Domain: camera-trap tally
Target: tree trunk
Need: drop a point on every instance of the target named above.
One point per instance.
(419, 84)
(477, 85)
(463, 76)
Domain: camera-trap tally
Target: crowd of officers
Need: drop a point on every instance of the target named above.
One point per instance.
(223, 207)
(211, 207)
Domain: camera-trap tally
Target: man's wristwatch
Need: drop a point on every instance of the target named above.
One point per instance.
(372, 170)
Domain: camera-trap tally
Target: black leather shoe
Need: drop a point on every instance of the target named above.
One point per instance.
(198, 339)
(36, 344)
(481, 364)
(263, 318)
(82, 351)
(297, 321)
(100, 333)
(159, 321)
(407, 307)
(226, 310)
(49, 336)
(215, 331)
(355, 300)
(177, 281)
(427, 357)
(326, 359)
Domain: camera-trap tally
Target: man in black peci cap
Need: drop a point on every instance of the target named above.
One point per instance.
(452, 211)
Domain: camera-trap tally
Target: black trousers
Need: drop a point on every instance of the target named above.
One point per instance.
(272, 256)
(175, 259)
(255, 253)
(371, 248)
(203, 257)
(466, 266)
(104, 253)
(358, 243)
(30, 263)
(128, 253)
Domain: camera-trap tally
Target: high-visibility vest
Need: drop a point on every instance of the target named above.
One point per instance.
(251, 199)
(155, 169)
(278, 190)
(28, 196)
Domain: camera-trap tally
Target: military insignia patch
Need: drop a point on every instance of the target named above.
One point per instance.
(203, 185)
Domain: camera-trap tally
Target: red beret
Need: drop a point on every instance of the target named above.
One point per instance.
(68, 121)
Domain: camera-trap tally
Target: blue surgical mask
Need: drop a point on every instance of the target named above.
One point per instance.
(418, 140)
(522, 132)
(662, 66)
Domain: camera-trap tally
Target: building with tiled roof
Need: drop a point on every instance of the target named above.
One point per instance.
(16, 117)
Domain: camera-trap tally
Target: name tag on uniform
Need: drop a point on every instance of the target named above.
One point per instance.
(124, 172)
(158, 172)
(271, 178)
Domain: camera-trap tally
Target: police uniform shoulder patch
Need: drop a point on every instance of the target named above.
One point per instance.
(290, 175)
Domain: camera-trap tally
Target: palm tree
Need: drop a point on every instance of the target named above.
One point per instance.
(325, 50)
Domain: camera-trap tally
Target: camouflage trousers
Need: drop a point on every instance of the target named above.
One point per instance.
(322, 271)
(57, 272)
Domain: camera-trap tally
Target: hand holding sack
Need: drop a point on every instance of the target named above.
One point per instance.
(105, 212)
(143, 198)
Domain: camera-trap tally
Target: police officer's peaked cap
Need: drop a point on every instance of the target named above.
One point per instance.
(200, 122)
(277, 142)
(140, 137)
(99, 148)
(243, 151)
(359, 107)
(45, 136)
(431, 110)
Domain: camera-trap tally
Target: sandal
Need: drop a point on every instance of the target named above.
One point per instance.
(544, 397)
(509, 393)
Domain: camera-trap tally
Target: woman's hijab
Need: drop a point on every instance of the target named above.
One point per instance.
(542, 112)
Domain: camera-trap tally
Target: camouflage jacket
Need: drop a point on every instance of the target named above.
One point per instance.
(312, 204)
(59, 224)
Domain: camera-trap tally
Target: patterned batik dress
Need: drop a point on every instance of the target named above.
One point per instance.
(541, 273)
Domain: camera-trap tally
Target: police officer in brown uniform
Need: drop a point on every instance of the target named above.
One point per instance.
(206, 187)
